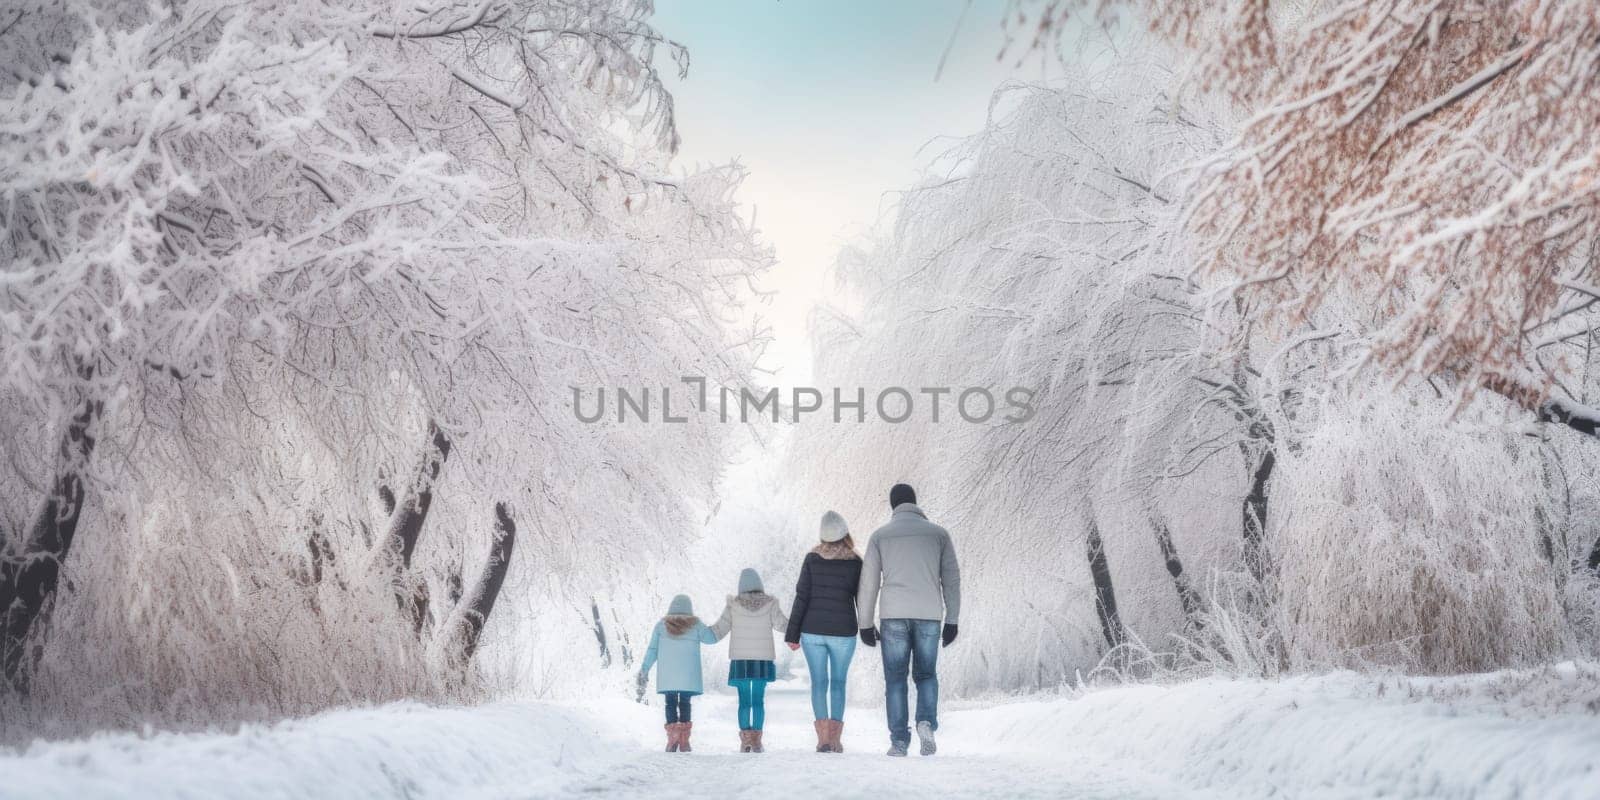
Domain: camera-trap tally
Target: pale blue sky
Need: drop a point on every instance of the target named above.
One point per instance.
(827, 102)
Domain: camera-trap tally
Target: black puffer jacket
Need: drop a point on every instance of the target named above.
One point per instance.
(825, 597)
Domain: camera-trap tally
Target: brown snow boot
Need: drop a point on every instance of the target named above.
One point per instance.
(744, 741)
(672, 737)
(755, 742)
(824, 735)
(684, 729)
(835, 730)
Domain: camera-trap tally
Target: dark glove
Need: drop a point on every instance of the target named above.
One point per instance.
(949, 633)
(644, 680)
(869, 637)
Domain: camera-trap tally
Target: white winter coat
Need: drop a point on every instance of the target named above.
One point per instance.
(750, 620)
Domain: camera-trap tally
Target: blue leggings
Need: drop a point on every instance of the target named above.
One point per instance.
(752, 703)
(828, 657)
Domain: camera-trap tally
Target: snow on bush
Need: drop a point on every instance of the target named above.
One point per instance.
(1405, 541)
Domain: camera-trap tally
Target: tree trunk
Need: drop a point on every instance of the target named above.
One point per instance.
(322, 557)
(454, 587)
(405, 525)
(29, 580)
(1572, 415)
(1255, 508)
(491, 582)
(1105, 597)
(600, 633)
(626, 648)
(1527, 394)
(1186, 594)
(418, 606)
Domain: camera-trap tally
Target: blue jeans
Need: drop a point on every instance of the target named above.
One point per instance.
(913, 644)
(752, 703)
(828, 658)
(677, 706)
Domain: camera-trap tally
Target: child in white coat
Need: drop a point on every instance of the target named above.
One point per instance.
(749, 621)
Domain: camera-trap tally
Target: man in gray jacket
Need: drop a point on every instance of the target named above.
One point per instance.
(909, 574)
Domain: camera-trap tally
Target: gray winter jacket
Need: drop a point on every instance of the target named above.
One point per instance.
(913, 562)
(751, 618)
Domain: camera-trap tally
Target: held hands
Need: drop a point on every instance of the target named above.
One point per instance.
(869, 637)
(949, 633)
(793, 645)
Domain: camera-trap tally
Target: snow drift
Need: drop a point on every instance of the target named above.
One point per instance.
(1510, 734)
(398, 750)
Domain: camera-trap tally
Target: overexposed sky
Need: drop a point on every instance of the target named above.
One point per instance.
(828, 103)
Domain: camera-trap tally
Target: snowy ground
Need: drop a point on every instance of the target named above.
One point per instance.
(1337, 736)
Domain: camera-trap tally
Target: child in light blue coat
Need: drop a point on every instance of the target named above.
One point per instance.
(675, 652)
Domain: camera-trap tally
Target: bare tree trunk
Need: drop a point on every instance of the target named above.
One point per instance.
(1260, 457)
(1105, 597)
(418, 606)
(1255, 507)
(454, 587)
(600, 633)
(405, 524)
(1574, 415)
(321, 553)
(320, 550)
(29, 580)
(1186, 594)
(491, 582)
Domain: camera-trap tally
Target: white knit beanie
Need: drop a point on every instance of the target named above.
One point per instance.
(833, 527)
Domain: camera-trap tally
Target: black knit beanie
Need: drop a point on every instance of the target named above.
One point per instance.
(901, 493)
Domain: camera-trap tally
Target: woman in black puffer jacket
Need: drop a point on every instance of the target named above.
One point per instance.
(823, 624)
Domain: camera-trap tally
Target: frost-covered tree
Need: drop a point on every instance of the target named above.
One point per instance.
(1038, 261)
(1394, 193)
(1437, 160)
(287, 285)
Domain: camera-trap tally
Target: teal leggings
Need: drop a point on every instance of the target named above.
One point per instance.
(752, 703)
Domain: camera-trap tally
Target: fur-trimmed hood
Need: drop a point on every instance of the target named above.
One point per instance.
(679, 624)
(752, 601)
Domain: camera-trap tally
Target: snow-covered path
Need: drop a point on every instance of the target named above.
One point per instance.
(1344, 735)
(965, 765)
(530, 750)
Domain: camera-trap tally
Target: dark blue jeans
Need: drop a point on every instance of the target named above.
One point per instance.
(910, 644)
(677, 706)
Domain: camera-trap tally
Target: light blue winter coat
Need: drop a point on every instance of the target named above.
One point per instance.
(677, 656)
